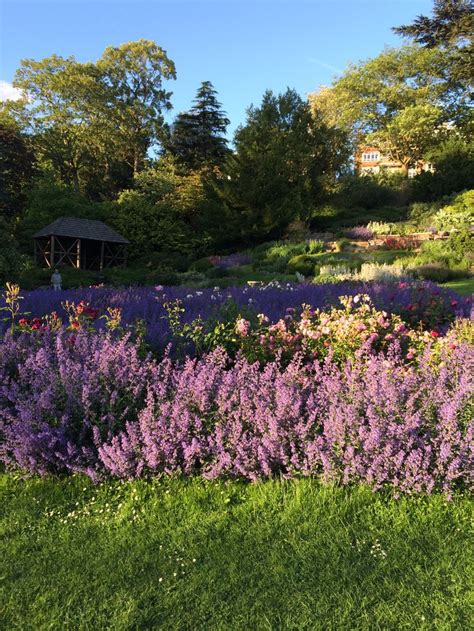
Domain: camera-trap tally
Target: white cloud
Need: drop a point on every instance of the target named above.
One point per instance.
(8, 92)
(323, 64)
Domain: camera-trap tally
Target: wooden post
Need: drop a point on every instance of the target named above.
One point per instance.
(102, 245)
(52, 252)
(78, 254)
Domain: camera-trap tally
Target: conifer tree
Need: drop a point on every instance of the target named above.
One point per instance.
(197, 138)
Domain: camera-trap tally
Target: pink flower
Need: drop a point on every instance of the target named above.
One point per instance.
(242, 327)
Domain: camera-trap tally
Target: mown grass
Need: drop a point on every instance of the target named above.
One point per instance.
(177, 554)
(465, 286)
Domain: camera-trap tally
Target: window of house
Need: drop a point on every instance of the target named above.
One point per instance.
(370, 157)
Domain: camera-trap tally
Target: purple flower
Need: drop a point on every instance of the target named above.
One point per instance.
(99, 406)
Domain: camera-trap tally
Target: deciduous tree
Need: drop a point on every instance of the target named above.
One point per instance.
(282, 156)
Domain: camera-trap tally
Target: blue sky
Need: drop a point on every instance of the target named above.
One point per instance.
(242, 46)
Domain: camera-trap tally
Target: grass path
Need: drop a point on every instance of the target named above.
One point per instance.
(200, 555)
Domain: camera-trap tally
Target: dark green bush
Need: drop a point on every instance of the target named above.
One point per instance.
(202, 265)
(217, 272)
(366, 192)
(437, 273)
(34, 277)
(275, 265)
(454, 162)
(303, 264)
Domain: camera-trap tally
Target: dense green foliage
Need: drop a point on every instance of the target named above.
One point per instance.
(16, 168)
(282, 156)
(90, 140)
(197, 138)
(451, 28)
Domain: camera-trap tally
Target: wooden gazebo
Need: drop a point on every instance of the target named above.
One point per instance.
(80, 243)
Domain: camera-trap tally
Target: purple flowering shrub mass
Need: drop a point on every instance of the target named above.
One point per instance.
(326, 399)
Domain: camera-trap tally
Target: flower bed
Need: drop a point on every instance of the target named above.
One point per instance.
(350, 393)
(95, 404)
(421, 302)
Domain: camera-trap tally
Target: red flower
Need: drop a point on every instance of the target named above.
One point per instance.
(75, 325)
(434, 334)
(23, 321)
(36, 324)
(91, 313)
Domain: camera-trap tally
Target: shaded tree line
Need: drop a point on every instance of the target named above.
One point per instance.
(91, 140)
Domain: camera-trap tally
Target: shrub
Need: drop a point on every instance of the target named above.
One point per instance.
(218, 272)
(457, 251)
(382, 273)
(232, 260)
(363, 233)
(11, 261)
(202, 265)
(458, 215)
(192, 279)
(365, 192)
(461, 246)
(341, 245)
(315, 246)
(399, 243)
(338, 272)
(297, 230)
(454, 162)
(278, 265)
(303, 264)
(437, 273)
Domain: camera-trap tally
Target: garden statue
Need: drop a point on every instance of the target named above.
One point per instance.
(56, 280)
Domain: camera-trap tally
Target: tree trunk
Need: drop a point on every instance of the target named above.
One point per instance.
(75, 180)
(135, 162)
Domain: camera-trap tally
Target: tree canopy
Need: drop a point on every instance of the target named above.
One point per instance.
(84, 119)
(401, 100)
(197, 137)
(282, 155)
(451, 28)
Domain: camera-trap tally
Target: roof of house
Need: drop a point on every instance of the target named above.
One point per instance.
(81, 229)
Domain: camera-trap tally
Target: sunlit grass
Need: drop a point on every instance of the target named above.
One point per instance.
(465, 287)
(192, 554)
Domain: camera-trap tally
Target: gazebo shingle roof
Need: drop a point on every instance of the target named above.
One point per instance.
(81, 229)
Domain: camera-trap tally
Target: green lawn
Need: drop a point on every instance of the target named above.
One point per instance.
(465, 287)
(199, 555)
